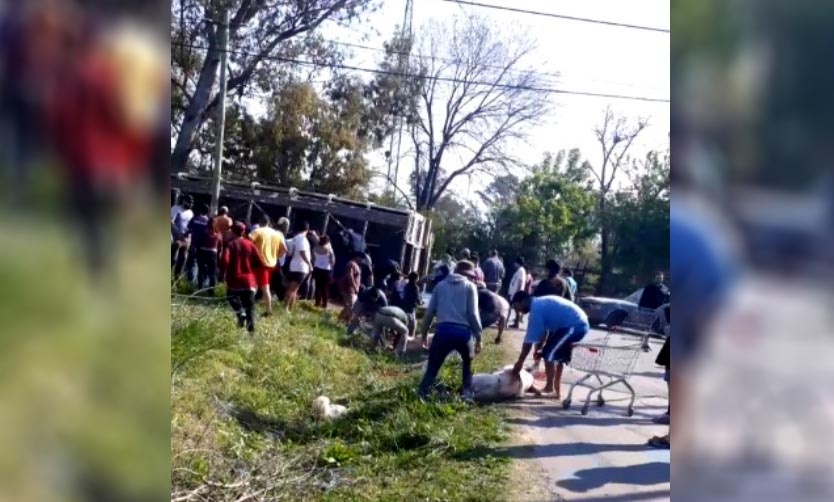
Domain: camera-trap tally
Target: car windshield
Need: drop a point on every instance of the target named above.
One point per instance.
(634, 297)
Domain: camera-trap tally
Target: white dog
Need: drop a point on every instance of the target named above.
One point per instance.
(502, 385)
(326, 411)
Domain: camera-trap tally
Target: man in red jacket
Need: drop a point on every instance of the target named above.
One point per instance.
(240, 261)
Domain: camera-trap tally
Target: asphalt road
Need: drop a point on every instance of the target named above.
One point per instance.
(598, 457)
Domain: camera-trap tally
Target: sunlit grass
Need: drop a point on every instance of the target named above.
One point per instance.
(242, 420)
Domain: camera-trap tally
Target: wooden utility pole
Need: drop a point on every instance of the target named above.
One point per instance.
(221, 111)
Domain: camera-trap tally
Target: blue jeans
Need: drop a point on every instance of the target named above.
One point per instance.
(447, 339)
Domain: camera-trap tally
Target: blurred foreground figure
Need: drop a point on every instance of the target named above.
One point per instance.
(703, 270)
(104, 116)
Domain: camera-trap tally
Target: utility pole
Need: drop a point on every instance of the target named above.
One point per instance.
(221, 111)
(402, 68)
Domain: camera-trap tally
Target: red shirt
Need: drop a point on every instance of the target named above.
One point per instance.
(239, 262)
(91, 134)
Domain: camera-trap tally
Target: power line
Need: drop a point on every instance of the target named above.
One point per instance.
(443, 60)
(560, 16)
(440, 79)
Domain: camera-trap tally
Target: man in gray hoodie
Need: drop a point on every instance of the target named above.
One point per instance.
(454, 301)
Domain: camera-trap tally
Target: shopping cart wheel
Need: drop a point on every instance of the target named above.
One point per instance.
(585, 410)
(600, 401)
(566, 404)
(631, 412)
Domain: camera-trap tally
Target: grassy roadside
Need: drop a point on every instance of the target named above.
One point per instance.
(242, 426)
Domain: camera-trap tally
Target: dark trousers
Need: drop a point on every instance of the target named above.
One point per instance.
(321, 280)
(447, 339)
(206, 267)
(243, 303)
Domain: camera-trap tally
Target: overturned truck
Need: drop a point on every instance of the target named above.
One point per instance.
(400, 235)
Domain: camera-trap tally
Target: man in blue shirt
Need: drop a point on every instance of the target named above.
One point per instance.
(557, 322)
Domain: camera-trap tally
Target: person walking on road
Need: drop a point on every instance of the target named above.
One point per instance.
(454, 302)
(553, 284)
(493, 271)
(517, 284)
(564, 324)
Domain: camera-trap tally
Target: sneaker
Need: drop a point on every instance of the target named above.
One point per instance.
(468, 395)
(662, 419)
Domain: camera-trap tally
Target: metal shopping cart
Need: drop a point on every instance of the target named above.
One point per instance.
(602, 359)
(644, 322)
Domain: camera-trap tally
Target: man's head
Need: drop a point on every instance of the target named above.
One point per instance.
(186, 202)
(264, 220)
(476, 258)
(465, 254)
(223, 211)
(324, 240)
(202, 210)
(494, 253)
(567, 272)
(466, 269)
(553, 267)
(413, 277)
(658, 278)
(302, 227)
(522, 301)
(238, 229)
(519, 262)
(283, 224)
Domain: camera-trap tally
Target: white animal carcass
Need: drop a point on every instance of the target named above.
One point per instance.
(501, 385)
(326, 411)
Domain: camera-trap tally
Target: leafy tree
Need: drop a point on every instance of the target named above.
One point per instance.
(263, 36)
(475, 97)
(616, 137)
(639, 219)
(552, 212)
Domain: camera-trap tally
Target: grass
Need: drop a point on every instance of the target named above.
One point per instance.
(243, 429)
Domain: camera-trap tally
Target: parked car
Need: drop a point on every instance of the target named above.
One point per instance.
(611, 312)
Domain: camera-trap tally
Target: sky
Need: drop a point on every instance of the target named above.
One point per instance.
(588, 57)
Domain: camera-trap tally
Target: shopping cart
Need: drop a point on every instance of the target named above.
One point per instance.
(642, 322)
(602, 359)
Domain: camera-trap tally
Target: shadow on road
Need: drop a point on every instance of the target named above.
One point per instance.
(550, 450)
(653, 473)
(553, 420)
(654, 495)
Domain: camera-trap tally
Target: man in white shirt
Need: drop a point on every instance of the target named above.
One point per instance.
(300, 265)
(518, 283)
(179, 232)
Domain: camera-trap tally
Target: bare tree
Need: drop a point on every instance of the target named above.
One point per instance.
(616, 137)
(475, 98)
(259, 30)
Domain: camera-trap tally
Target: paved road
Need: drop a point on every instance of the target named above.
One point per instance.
(564, 456)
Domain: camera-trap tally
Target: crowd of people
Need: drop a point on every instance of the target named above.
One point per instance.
(265, 262)
(465, 293)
